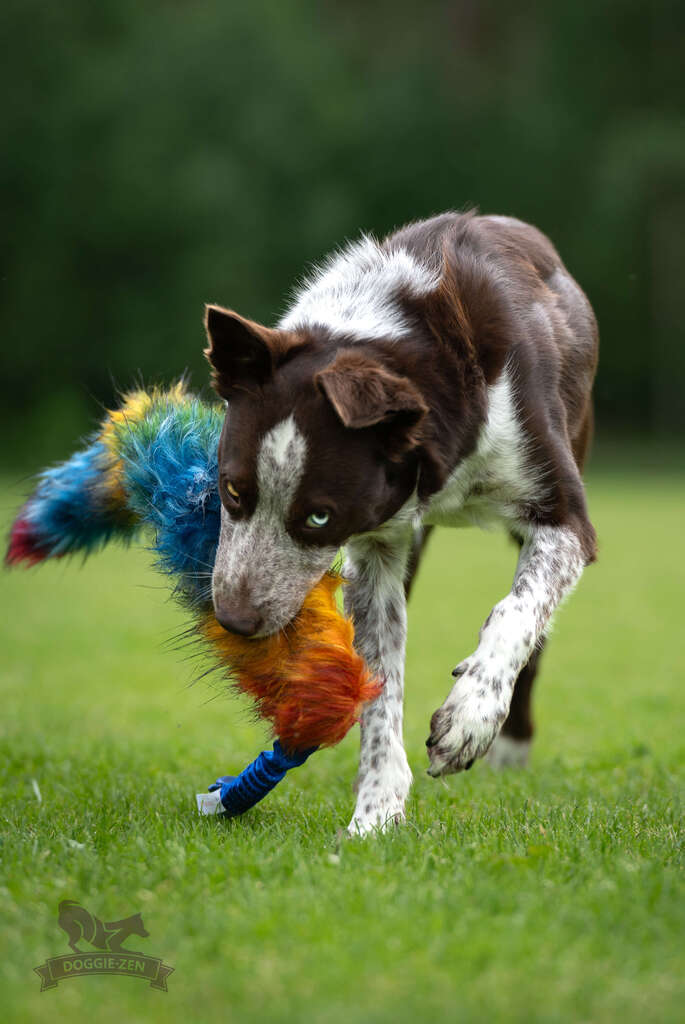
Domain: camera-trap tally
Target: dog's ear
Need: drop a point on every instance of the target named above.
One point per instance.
(240, 351)
(366, 394)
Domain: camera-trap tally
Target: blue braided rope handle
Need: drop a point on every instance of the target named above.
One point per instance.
(240, 792)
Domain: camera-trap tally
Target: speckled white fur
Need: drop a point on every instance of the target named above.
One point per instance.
(375, 565)
(256, 557)
(355, 292)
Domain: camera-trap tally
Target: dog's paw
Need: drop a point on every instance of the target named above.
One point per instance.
(382, 787)
(380, 802)
(466, 725)
(375, 815)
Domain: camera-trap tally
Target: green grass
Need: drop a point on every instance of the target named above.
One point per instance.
(548, 895)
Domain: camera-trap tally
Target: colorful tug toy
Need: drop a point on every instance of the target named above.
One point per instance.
(153, 464)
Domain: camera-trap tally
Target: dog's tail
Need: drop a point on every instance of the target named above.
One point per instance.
(76, 921)
(152, 463)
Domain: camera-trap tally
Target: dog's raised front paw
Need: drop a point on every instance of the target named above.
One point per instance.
(465, 726)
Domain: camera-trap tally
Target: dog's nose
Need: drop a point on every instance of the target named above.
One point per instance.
(244, 622)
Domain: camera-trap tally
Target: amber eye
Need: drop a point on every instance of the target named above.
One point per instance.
(230, 490)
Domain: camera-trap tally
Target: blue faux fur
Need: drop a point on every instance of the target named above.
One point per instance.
(67, 511)
(170, 485)
(172, 482)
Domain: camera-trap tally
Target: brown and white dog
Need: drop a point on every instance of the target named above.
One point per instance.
(442, 376)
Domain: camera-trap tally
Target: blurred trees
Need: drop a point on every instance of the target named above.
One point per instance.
(163, 154)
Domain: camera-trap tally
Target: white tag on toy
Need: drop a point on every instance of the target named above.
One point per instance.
(210, 803)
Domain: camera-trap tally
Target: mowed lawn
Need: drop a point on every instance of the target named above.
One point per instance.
(553, 894)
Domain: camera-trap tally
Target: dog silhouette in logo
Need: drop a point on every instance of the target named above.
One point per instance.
(82, 926)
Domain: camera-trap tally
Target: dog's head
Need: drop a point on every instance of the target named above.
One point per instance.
(320, 442)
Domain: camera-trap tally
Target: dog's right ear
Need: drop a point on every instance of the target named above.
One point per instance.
(242, 353)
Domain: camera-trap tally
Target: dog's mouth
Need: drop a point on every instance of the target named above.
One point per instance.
(263, 634)
(251, 629)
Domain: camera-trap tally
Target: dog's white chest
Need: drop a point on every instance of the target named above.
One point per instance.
(491, 485)
(473, 500)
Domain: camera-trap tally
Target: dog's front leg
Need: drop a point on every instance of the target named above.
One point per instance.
(374, 597)
(463, 729)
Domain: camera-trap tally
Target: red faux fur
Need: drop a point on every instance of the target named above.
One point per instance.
(23, 544)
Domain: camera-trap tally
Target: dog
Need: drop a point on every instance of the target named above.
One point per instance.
(442, 376)
(82, 926)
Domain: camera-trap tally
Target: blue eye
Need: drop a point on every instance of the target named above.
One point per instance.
(318, 519)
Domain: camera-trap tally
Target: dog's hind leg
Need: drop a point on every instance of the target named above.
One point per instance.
(375, 598)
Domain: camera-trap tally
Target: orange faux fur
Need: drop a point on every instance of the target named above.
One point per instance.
(307, 680)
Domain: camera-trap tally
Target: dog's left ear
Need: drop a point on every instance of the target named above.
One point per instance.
(366, 394)
(242, 353)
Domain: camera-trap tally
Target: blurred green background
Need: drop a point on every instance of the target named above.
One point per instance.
(159, 155)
